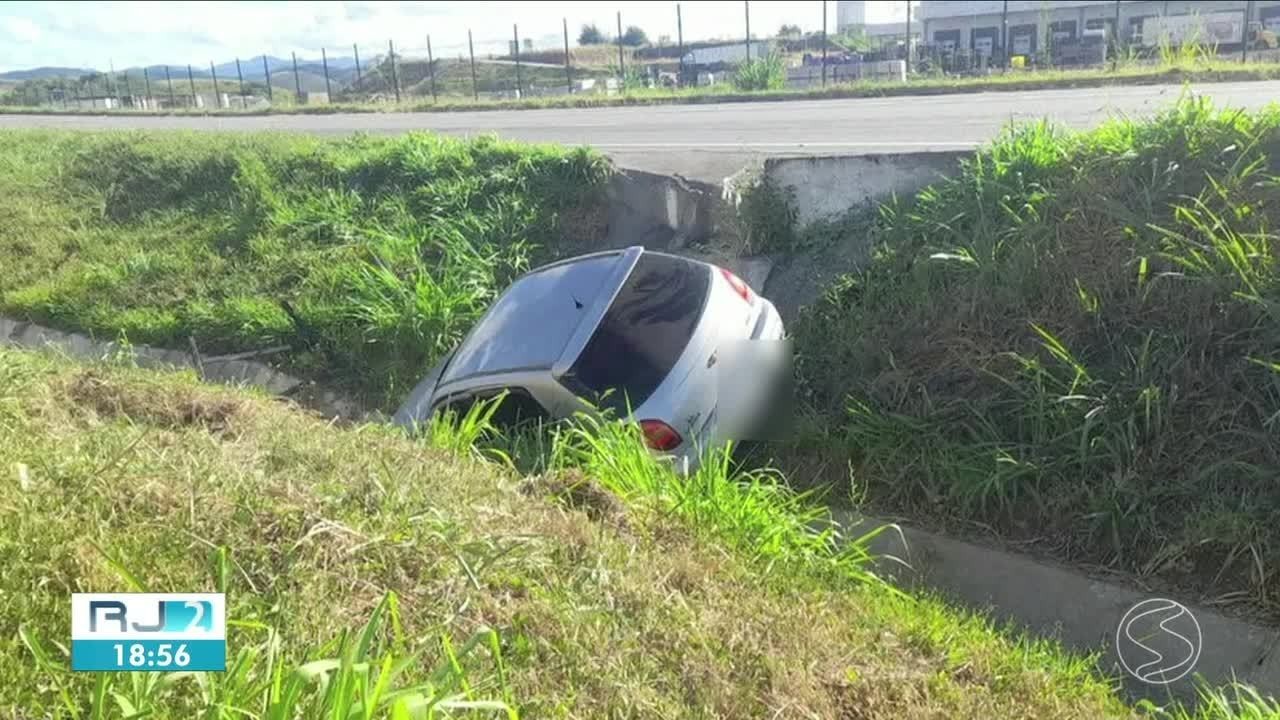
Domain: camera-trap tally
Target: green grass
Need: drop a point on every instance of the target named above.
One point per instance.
(460, 99)
(413, 577)
(367, 256)
(453, 79)
(1076, 341)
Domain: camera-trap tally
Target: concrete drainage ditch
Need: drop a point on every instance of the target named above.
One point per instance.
(1080, 611)
(699, 219)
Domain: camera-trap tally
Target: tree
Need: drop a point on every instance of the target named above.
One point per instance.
(789, 32)
(634, 37)
(591, 35)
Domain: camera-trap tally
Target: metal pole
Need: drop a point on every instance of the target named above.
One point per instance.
(324, 63)
(297, 83)
(1115, 53)
(1004, 33)
(908, 35)
(173, 102)
(430, 67)
(471, 48)
(824, 43)
(515, 31)
(568, 68)
(217, 96)
(128, 88)
(240, 77)
(355, 49)
(395, 75)
(746, 8)
(192, 80)
(622, 68)
(266, 73)
(146, 81)
(680, 42)
(1244, 41)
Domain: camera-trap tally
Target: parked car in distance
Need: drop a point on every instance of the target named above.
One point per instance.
(687, 347)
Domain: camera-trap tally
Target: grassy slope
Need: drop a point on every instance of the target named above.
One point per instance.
(702, 598)
(725, 93)
(453, 78)
(367, 256)
(1076, 340)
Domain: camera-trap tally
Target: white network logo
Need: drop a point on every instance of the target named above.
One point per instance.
(1178, 633)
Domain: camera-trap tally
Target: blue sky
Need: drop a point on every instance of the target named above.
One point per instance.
(96, 34)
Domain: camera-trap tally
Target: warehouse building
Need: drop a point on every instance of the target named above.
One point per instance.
(975, 25)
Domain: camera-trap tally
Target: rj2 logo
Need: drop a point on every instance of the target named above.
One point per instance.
(148, 631)
(170, 616)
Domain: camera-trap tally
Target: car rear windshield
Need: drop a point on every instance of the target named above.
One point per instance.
(643, 333)
(529, 326)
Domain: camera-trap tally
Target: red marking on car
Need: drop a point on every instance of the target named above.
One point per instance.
(738, 286)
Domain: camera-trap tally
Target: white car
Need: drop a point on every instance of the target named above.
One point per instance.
(687, 346)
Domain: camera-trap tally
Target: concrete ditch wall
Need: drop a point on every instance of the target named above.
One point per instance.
(825, 188)
(665, 212)
(228, 370)
(1080, 611)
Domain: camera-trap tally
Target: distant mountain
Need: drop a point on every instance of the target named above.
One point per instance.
(43, 73)
(342, 71)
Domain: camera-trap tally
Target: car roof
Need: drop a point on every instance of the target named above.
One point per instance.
(542, 315)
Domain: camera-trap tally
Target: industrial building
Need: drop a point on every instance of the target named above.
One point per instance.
(1032, 25)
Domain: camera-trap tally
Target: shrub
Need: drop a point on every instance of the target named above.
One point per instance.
(1075, 339)
(766, 73)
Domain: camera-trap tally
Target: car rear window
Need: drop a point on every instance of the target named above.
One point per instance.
(529, 326)
(643, 333)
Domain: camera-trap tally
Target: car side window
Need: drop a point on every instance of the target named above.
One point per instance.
(516, 408)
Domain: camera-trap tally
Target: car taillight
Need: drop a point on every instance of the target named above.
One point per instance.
(659, 435)
(736, 283)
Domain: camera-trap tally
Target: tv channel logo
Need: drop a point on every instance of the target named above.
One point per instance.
(148, 632)
(1158, 641)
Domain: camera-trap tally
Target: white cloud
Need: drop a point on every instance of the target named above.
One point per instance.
(19, 29)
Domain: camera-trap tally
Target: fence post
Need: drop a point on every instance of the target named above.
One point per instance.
(431, 69)
(324, 63)
(824, 43)
(266, 73)
(297, 82)
(568, 67)
(146, 82)
(240, 77)
(1244, 40)
(908, 53)
(128, 88)
(1004, 35)
(395, 75)
(192, 80)
(1115, 53)
(471, 48)
(746, 8)
(217, 96)
(680, 42)
(356, 50)
(515, 31)
(173, 101)
(622, 68)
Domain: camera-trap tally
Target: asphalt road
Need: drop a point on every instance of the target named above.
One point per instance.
(711, 141)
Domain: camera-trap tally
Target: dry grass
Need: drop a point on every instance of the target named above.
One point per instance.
(604, 609)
